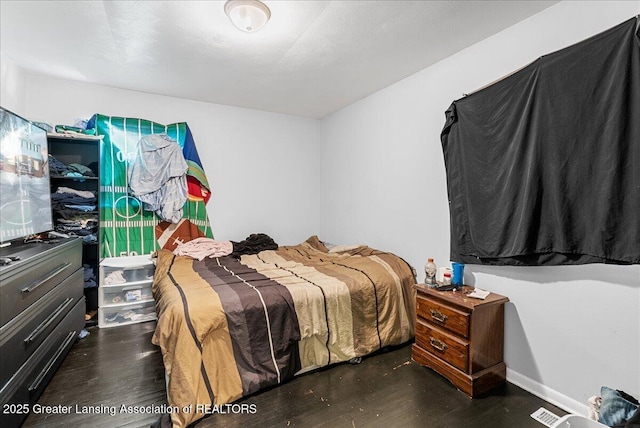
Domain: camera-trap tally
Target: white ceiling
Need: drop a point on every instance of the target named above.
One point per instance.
(312, 59)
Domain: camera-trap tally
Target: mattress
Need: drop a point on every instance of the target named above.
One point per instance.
(228, 328)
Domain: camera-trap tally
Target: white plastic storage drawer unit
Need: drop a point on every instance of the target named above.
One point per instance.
(125, 291)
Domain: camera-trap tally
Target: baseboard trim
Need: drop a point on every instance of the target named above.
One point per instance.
(551, 395)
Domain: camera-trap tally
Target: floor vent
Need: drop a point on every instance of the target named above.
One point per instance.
(545, 417)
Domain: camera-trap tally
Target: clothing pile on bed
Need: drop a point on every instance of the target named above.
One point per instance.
(200, 248)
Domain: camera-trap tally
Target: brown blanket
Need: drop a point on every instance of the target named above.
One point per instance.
(229, 328)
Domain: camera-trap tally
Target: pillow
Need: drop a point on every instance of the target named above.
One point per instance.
(616, 407)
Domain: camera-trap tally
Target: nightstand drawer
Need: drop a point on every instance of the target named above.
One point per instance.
(444, 316)
(446, 347)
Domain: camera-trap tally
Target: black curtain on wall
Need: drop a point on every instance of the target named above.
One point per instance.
(543, 167)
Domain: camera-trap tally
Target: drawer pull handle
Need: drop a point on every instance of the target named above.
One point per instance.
(438, 316)
(437, 344)
(46, 278)
(38, 380)
(43, 326)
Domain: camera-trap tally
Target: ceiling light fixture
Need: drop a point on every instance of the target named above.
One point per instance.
(247, 15)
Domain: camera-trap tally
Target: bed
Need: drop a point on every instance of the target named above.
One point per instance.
(230, 327)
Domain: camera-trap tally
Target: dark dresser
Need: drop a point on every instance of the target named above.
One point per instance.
(41, 313)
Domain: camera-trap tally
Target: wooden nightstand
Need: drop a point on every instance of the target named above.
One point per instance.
(460, 337)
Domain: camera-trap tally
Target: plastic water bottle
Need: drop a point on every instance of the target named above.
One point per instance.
(430, 271)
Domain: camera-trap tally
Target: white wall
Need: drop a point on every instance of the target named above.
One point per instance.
(380, 180)
(569, 329)
(262, 167)
(12, 87)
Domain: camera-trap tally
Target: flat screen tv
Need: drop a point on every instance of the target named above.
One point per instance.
(25, 194)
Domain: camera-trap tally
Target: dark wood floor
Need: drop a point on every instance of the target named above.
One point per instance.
(117, 366)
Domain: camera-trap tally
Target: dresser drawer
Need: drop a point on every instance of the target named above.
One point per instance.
(21, 336)
(443, 345)
(28, 383)
(25, 281)
(444, 316)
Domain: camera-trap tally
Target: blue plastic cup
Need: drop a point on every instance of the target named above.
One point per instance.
(458, 274)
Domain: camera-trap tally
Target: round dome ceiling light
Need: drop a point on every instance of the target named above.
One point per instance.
(247, 15)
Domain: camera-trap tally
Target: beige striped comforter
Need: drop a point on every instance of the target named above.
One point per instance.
(229, 328)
